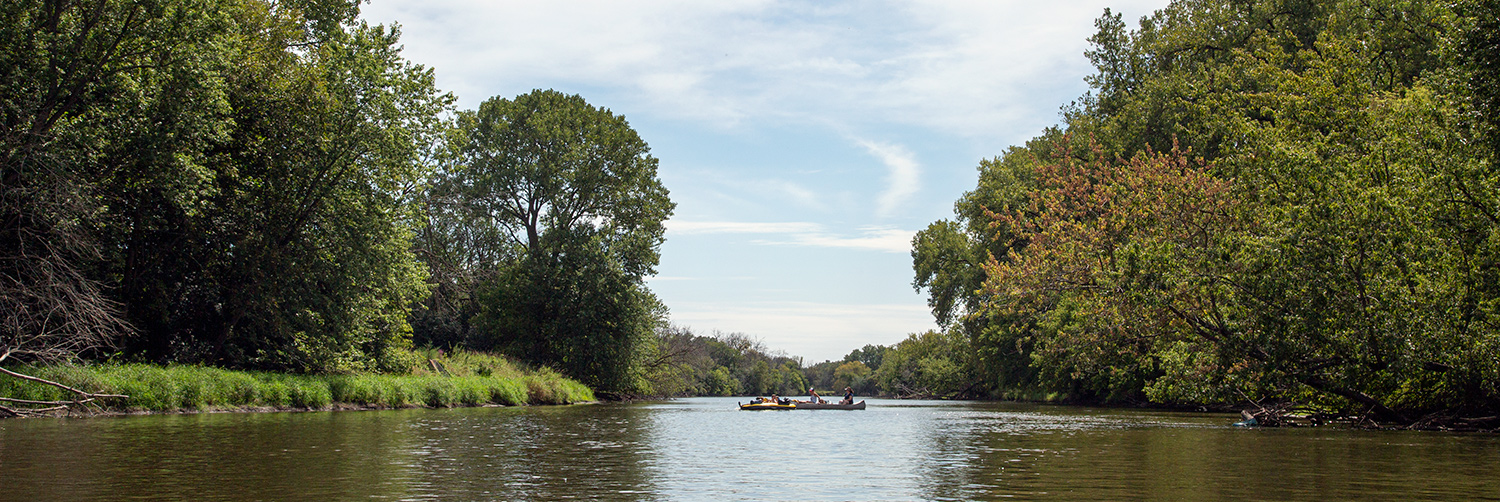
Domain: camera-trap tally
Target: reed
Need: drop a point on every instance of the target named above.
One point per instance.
(470, 380)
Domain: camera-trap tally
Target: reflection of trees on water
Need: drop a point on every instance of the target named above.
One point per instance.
(1002, 451)
(204, 457)
(544, 453)
(938, 451)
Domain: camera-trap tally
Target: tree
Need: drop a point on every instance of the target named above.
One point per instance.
(221, 178)
(61, 65)
(1117, 256)
(681, 365)
(949, 257)
(854, 375)
(929, 364)
(271, 225)
(1334, 247)
(869, 355)
(571, 195)
(231, 179)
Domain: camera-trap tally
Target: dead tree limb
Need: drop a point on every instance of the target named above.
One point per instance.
(49, 403)
(87, 394)
(80, 397)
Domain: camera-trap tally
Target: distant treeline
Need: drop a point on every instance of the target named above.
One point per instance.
(734, 364)
(1283, 204)
(269, 185)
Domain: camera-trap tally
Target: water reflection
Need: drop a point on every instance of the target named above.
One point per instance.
(704, 449)
(201, 457)
(549, 453)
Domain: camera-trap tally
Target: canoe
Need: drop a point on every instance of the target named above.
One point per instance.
(830, 406)
(802, 406)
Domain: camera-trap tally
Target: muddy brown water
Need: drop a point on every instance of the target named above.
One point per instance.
(705, 449)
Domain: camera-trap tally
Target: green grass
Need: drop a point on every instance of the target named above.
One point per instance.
(465, 379)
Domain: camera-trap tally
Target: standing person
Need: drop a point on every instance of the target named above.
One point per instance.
(848, 396)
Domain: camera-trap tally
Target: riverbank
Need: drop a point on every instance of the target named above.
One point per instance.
(472, 380)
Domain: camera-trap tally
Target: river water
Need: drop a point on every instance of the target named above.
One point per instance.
(705, 449)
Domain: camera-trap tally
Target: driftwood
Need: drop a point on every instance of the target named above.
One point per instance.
(905, 392)
(81, 398)
(1278, 414)
(1450, 421)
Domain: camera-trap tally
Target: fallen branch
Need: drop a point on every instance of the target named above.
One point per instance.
(905, 392)
(58, 385)
(28, 401)
(81, 397)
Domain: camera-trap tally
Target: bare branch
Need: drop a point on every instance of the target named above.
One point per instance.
(58, 385)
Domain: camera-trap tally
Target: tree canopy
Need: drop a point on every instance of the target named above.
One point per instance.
(229, 181)
(562, 204)
(1267, 201)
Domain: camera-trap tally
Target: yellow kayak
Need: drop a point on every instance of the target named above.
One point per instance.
(767, 406)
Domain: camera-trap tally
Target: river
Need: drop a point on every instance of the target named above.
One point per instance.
(705, 449)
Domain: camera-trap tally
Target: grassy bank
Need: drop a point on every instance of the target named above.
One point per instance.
(455, 380)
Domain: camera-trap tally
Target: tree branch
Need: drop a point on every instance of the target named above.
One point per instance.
(58, 385)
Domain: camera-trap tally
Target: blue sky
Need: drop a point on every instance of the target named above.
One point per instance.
(804, 142)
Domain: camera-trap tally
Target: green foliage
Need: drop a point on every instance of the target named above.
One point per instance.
(1321, 228)
(930, 364)
(68, 72)
(241, 169)
(534, 312)
(720, 383)
(199, 388)
(686, 364)
(855, 376)
(869, 355)
(561, 203)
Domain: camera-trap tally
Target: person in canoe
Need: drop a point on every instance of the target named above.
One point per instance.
(848, 396)
(812, 396)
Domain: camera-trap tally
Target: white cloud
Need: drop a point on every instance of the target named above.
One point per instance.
(796, 192)
(873, 239)
(963, 67)
(889, 240)
(735, 227)
(904, 178)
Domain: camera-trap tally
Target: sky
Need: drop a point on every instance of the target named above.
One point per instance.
(804, 143)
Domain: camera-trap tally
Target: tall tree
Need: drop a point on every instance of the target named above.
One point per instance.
(230, 176)
(72, 75)
(270, 226)
(571, 195)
